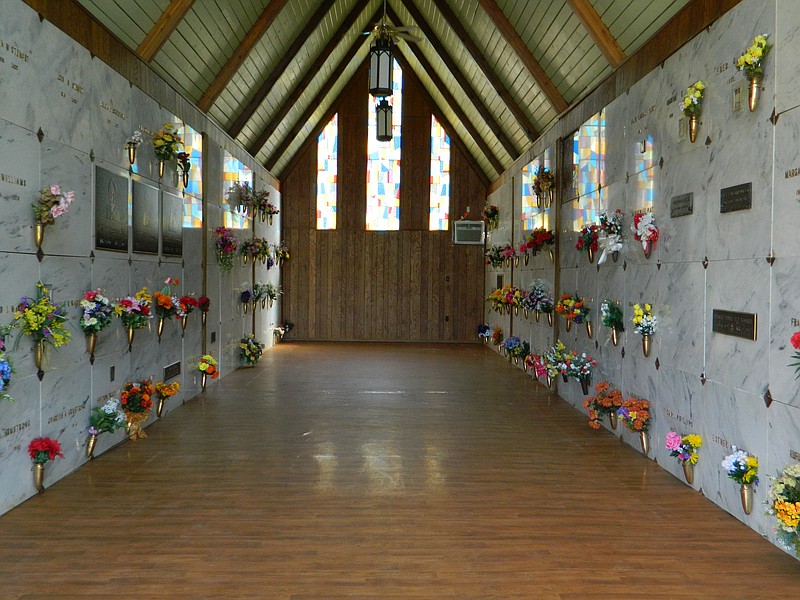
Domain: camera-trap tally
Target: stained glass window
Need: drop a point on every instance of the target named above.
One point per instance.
(193, 193)
(327, 172)
(645, 174)
(440, 178)
(589, 156)
(383, 164)
(533, 216)
(232, 171)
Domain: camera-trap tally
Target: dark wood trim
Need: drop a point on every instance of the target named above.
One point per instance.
(163, 28)
(239, 55)
(602, 37)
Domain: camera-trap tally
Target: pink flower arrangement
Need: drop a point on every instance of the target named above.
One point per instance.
(52, 203)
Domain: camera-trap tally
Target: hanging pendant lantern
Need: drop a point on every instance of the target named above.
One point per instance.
(380, 67)
(383, 116)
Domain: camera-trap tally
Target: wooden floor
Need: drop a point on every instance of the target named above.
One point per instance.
(380, 471)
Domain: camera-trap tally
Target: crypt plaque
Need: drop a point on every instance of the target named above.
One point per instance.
(110, 210)
(171, 225)
(682, 205)
(145, 218)
(738, 197)
(737, 324)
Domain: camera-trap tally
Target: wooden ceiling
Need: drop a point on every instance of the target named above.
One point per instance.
(499, 71)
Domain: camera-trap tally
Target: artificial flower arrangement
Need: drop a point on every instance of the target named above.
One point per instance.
(273, 291)
(588, 240)
(644, 322)
(203, 305)
(491, 216)
(510, 345)
(741, 467)
(41, 450)
(611, 314)
(270, 210)
(137, 400)
(262, 250)
(97, 311)
(684, 448)
(6, 368)
(185, 165)
(51, 204)
(249, 249)
(751, 61)
(579, 367)
(259, 293)
(645, 231)
(572, 308)
(134, 140)
(245, 297)
(494, 256)
(795, 341)
(208, 366)
(612, 235)
(784, 505)
(41, 319)
(167, 304)
(693, 99)
(240, 195)
(186, 305)
(635, 414)
(557, 360)
(250, 350)
(281, 252)
(516, 348)
(606, 402)
(104, 419)
(539, 239)
(166, 142)
(134, 311)
(535, 363)
(282, 329)
(497, 336)
(539, 299)
(225, 244)
(164, 391)
(484, 332)
(502, 299)
(543, 180)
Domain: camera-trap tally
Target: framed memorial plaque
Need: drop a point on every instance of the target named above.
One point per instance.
(145, 218)
(110, 210)
(171, 225)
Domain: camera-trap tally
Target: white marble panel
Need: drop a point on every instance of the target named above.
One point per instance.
(734, 361)
(786, 186)
(145, 344)
(643, 192)
(19, 187)
(104, 387)
(784, 308)
(72, 233)
(22, 65)
(683, 239)
(681, 314)
(67, 279)
(111, 114)
(645, 114)
(616, 119)
(19, 424)
(147, 118)
(731, 418)
(785, 59)
(639, 380)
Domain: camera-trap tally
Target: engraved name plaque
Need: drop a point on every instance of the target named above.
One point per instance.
(738, 197)
(172, 370)
(681, 206)
(737, 324)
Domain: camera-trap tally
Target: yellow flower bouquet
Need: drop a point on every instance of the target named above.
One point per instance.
(41, 319)
(167, 142)
(693, 100)
(751, 61)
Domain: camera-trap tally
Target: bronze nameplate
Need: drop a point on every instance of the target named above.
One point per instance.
(172, 370)
(737, 324)
(681, 206)
(738, 197)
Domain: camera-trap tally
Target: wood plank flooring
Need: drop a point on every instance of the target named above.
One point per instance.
(380, 471)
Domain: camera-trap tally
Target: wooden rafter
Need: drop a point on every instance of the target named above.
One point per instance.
(160, 32)
(505, 27)
(457, 110)
(488, 71)
(278, 70)
(239, 55)
(311, 72)
(597, 29)
(312, 106)
(459, 76)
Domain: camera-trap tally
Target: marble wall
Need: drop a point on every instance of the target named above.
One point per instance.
(698, 380)
(64, 114)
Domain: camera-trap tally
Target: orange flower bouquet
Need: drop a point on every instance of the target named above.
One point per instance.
(635, 414)
(164, 391)
(607, 402)
(137, 400)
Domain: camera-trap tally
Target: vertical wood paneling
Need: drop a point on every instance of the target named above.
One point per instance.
(352, 284)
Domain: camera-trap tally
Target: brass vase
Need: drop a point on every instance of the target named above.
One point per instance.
(244, 258)
(525, 366)
(160, 329)
(160, 168)
(270, 219)
(590, 254)
(160, 406)
(551, 254)
(38, 477)
(526, 259)
(612, 420)
(245, 306)
(525, 312)
(38, 234)
(647, 340)
(585, 381)
(508, 263)
(185, 178)
(614, 336)
(615, 255)
(549, 381)
(485, 340)
(516, 310)
(38, 355)
(694, 127)
(564, 377)
(130, 331)
(746, 492)
(754, 91)
(184, 320)
(131, 152)
(516, 360)
(688, 471)
(589, 329)
(203, 382)
(203, 318)
(537, 314)
(569, 325)
(550, 319)
(648, 249)
(91, 343)
(263, 303)
(263, 216)
(645, 441)
(90, 444)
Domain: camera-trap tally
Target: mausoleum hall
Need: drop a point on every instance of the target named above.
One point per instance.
(399, 299)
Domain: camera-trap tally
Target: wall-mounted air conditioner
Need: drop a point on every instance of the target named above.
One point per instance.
(469, 232)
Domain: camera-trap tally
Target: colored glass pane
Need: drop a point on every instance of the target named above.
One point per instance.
(532, 216)
(327, 172)
(233, 170)
(193, 193)
(440, 178)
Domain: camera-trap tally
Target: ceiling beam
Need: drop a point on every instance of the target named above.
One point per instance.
(163, 28)
(302, 85)
(278, 70)
(312, 107)
(505, 27)
(483, 64)
(459, 113)
(239, 55)
(597, 29)
(470, 91)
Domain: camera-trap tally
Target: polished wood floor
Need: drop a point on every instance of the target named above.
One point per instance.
(380, 471)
